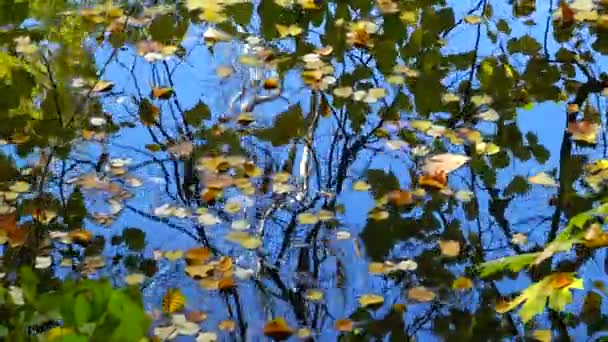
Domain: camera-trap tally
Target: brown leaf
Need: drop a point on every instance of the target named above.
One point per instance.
(197, 256)
(181, 149)
(196, 316)
(344, 325)
(277, 329)
(400, 198)
(161, 93)
(420, 294)
(567, 13)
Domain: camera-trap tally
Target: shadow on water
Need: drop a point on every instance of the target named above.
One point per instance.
(301, 169)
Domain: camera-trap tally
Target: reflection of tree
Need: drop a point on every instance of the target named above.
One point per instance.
(318, 137)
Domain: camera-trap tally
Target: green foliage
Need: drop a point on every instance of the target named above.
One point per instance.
(89, 310)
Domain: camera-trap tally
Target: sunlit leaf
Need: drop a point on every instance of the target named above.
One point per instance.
(173, 301)
(277, 329)
(370, 300)
(449, 248)
(420, 294)
(462, 283)
(544, 179)
(344, 325)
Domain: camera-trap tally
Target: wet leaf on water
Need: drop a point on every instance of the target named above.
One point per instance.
(196, 316)
(207, 336)
(103, 86)
(314, 295)
(277, 329)
(173, 301)
(307, 218)
(344, 325)
(134, 278)
(20, 187)
(519, 239)
(288, 30)
(361, 186)
(544, 179)
(584, 131)
(244, 239)
(370, 300)
(173, 255)
(227, 325)
(542, 335)
(161, 93)
(449, 248)
(420, 294)
(342, 235)
(443, 163)
(197, 256)
(462, 283)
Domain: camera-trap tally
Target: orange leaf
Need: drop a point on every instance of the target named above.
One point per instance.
(197, 256)
(173, 301)
(567, 13)
(161, 93)
(344, 325)
(277, 329)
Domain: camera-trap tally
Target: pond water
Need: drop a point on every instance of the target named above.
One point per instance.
(303, 169)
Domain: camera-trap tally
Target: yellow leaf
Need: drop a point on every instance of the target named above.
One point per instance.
(227, 325)
(135, 278)
(449, 248)
(370, 300)
(361, 186)
(314, 295)
(543, 178)
(445, 163)
(462, 283)
(173, 301)
(344, 325)
(173, 255)
(291, 30)
(277, 329)
(102, 86)
(542, 335)
(420, 294)
(307, 218)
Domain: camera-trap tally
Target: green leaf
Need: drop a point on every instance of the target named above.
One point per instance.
(82, 309)
(512, 263)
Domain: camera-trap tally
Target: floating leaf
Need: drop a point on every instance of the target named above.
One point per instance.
(197, 256)
(342, 235)
(544, 179)
(313, 295)
(542, 335)
(361, 186)
(277, 329)
(443, 163)
(449, 248)
(584, 131)
(227, 325)
(173, 301)
(462, 283)
(472, 19)
(20, 187)
(555, 288)
(420, 294)
(103, 86)
(161, 93)
(135, 278)
(291, 30)
(519, 239)
(244, 239)
(307, 218)
(173, 255)
(370, 300)
(207, 336)
(344, 325)
(43, 262)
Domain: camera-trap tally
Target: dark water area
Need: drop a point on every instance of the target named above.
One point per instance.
(323, 170)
